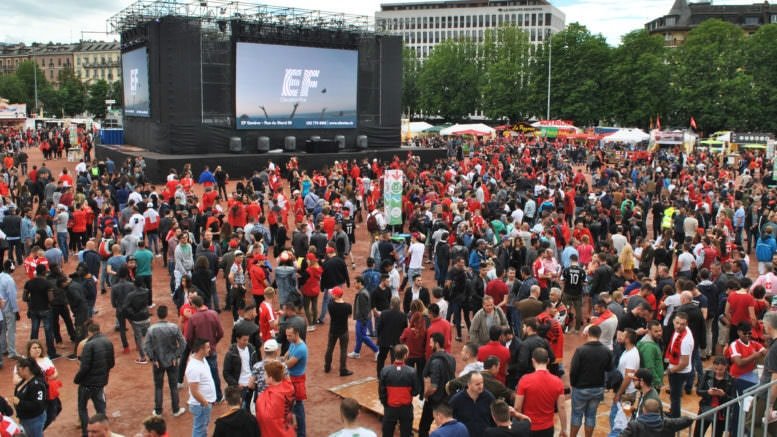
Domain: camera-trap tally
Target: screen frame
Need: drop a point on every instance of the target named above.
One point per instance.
(293, 44)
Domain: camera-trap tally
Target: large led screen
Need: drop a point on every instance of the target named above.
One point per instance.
(291, 87)
(134, 69)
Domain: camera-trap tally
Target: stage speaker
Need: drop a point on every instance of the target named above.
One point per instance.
(290, 144)
(263, 144)
(235, 144)
(340, 140)
(361, 142)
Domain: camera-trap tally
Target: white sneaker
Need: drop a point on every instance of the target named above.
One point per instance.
(311, 328)
(154, 413)
(353, 355)
(180, 385)
(180, 412)
(376, 355)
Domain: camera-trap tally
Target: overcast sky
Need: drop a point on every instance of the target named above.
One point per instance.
(64, 20)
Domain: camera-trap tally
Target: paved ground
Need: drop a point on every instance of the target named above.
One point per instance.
(130, 391)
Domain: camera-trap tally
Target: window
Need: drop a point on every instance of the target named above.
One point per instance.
(526, 20)
(671, 21)
(424, 37)
(539, 20)
(512, 20)
(751, 21)
(78, 61)
(773, 18)
(534, 35)
(533, 19)
(480, 21)
(548, 19)
(469, 21)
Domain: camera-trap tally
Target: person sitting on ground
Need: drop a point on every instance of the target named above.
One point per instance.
(652, 423)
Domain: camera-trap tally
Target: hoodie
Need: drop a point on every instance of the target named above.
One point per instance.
(654, 425)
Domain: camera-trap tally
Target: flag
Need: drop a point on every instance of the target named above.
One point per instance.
(651, 122)
(658, 122)
(693, 123)
(392, 196)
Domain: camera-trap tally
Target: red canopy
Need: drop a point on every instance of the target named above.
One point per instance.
(473, 132)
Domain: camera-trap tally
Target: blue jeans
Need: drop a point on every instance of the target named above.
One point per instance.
(62, 243)
(327, 297)
(43, 316)
(676, 383)
(585, 401)
(34, 427)
(698, 368)
(299, 412)
(200, 420)
(213, 363)
(515, 320)
(614, 432)
(361, 337)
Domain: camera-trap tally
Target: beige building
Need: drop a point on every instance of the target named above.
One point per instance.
(95, 60)
(52, 59)
(11, 55)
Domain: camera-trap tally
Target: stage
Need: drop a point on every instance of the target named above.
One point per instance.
(158, 165)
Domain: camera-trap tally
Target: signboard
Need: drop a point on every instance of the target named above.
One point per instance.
(392, 196)
(669, 137)
(14, 111)
(750, 137)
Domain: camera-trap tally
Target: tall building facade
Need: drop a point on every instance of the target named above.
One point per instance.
(425, 24)
(95, 60)
(684, 16)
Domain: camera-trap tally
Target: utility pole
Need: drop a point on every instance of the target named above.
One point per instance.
(35, 76)
(550, 63)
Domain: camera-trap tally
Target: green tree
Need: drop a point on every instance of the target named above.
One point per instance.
(711, 82)
(29, 73)
(761, 63)
(505, 83)
(448, 81)
(72, 92)
(579, 61)
(12, 88)
(117, 93)
(98, 93)
(50, 100)
(639, 80)
(411, 68)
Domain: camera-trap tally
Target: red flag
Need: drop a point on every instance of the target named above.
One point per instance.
(693, 123)
(658, 122)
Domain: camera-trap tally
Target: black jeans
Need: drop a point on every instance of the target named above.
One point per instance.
(213, 363)
(122, 330)
(330, 346)
(418, 364)
(146, 279)
(403, 415)
(182, 364)
(383, 352)
(172, 383)
(58, 311)
(426, 416)
(85, 394)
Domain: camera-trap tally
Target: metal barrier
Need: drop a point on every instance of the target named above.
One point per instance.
(748, 409)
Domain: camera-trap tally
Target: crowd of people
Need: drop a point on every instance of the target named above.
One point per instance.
(529, 243)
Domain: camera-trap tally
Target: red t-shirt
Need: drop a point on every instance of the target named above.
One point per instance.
(739, 349)
(443, 327)
(498, 350)
(266, 315)
(497, 289)
(79, 221)
(257, 275)
(540, 390)
(739, 303)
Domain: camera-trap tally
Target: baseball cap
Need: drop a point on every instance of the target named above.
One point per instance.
(238, 252)
(270, 345)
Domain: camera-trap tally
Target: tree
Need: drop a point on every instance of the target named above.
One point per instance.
(117, 93)
(711, 82)
(411, 68)
(98, 93)
(72, 92)
(448, 81)
(504, 84)
(579, 61)
(12, 88)
(639, 80)
(29, 73)
(761, 63)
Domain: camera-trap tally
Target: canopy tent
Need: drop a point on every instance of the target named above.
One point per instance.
(712, 143)
(559, 125)
(629, 135)
(436, 129)
(414, 128)
(754, 146)
(478, 129)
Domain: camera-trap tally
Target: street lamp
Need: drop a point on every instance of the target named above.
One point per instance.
(550, 63)
(35, 77)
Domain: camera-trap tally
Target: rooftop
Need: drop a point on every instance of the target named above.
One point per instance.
(460, 4)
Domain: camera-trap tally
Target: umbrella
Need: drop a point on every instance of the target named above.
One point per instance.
(480, 128)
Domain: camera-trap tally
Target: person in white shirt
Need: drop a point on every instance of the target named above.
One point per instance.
(202, 388)
(416, 253)
(469, 354)
(686, 262)
(628, 364)
(438, 298)
(678, 353)
(349, 411)
(135, 196)
(137, 222)
(768, 279)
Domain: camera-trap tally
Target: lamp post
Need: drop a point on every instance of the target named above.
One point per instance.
(550, 63)
(35, 77)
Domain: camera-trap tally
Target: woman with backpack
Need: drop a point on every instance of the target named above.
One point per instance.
(30, 397)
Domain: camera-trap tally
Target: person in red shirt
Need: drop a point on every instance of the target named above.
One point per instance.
(497, 289)
(208, 198)
(539, 395)
(268, 319)
(740, 307)
(311, 289)
(80, 218)
(274, 404)
(258, 276)
(36, 258)
(438, 324)
(555, 335)
(496, 348)
(743, 354)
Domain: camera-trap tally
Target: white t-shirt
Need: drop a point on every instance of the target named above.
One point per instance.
(685, 262)
(609, 327)
(354, 432)
(629, 364)
(671, 303)
(686, 348)
(416, 255)
(619, 242)
(245, 366)
(198, 372)
(138, 223)
(443, 304)
(135, 196)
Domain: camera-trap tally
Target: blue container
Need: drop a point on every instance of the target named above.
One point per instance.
(112, 136)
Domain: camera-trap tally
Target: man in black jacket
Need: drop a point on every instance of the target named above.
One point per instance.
(135, 309)
(530, 342)
(415, 291)
(96, 363)
(390, 325)
(234, 373)
(600, 279)
(397, 385)
(76, 299)
(237, 421)
(335, 274)
(119, 292)
(440, 369)
(12, 227)
(591, 362)
(457, 283)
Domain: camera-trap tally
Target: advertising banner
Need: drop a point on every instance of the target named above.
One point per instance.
(392, 196)
(134, 68)
(16, 111)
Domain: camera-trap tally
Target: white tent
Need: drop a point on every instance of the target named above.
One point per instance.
(414, 128)
(629, 135)
(468, 128)
(556, 124)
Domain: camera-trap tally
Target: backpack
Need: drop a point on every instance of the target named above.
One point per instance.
(372, 223)
(104, 249)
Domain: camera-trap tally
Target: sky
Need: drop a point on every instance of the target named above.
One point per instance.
(64, 20)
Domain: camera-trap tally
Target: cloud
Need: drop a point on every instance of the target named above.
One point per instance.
(58, 21)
